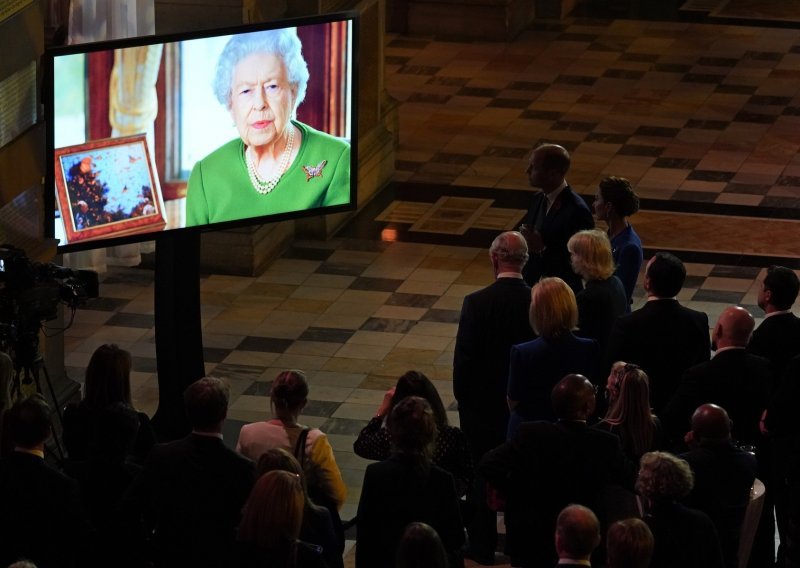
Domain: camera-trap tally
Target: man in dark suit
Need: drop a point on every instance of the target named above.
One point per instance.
(663, 337)
(41, 517)
(548, 465)
(778, 336)
(723, 476)
(777, 339)
(191, 491)
(555, 214)
(736, 380)
(577, 535)
(492, 320)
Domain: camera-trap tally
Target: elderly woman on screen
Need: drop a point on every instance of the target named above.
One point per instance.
(277, 164)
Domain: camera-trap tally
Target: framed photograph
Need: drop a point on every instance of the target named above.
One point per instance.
(108, 188)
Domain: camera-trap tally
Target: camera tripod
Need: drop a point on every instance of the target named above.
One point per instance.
(29, 367)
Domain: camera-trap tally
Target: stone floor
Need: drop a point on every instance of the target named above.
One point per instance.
(704, 119)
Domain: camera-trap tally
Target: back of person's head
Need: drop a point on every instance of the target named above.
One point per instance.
(577, 532)
(591, 254)
(22, 564)
(711, 423)
(618, 192)
(783, 286)
(664, 477)
(734, 327)
(273, 513)
(412, 426)
(553, 311)
(554, 158)
(573, 398)
(414, 383)
(510, 249)
(421, 547)
(289, 391)
(278, 459)
(666, 274)
(118, 425)
(108, 377)
(206, 402)
(28, 421)
(631, 408)
(629, 544)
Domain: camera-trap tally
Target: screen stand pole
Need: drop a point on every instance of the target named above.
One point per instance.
(179, 336)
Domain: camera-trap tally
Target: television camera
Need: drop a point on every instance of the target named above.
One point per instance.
(30, 293)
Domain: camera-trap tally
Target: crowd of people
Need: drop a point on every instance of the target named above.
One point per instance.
(607, 436)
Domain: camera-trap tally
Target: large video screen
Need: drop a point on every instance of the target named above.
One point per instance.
(208, 130)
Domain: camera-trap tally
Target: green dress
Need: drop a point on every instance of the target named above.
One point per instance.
(220, 189)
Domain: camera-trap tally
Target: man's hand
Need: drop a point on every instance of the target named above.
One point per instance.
(533, 237)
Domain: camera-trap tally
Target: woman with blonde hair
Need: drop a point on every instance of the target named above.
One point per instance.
(629, 415)
(270, 528)
(536, 366)
(603, 298)
(318, 527)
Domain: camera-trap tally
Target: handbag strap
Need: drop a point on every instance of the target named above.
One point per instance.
(300, 446)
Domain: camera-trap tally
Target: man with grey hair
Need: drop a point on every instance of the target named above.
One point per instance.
(492, 320)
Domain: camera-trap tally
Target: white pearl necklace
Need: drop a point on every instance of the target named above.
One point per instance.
(264, 186)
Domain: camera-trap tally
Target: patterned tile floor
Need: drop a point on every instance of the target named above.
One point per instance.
(704, 119)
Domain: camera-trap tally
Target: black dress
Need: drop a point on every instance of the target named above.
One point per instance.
(80, 428)
(451, 452)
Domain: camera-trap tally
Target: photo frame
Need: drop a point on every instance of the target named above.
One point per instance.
(108, 188)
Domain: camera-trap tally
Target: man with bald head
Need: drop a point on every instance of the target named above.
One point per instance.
(577, 535)
(548, 465)
(555, 214)
(737, 380)
(723, 476)
(492, 320)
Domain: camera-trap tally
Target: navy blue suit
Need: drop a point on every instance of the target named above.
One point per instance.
(568, 215)
(537, 366)
(665, 339)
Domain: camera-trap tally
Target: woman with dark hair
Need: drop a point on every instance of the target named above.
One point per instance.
(614, 203)
(407, 487)
(318, 528)
(269, 533)
(108, 381)
(450, 451)
(288, 397)
(629, 415)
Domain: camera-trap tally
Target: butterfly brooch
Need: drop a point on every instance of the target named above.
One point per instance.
(314, 171)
